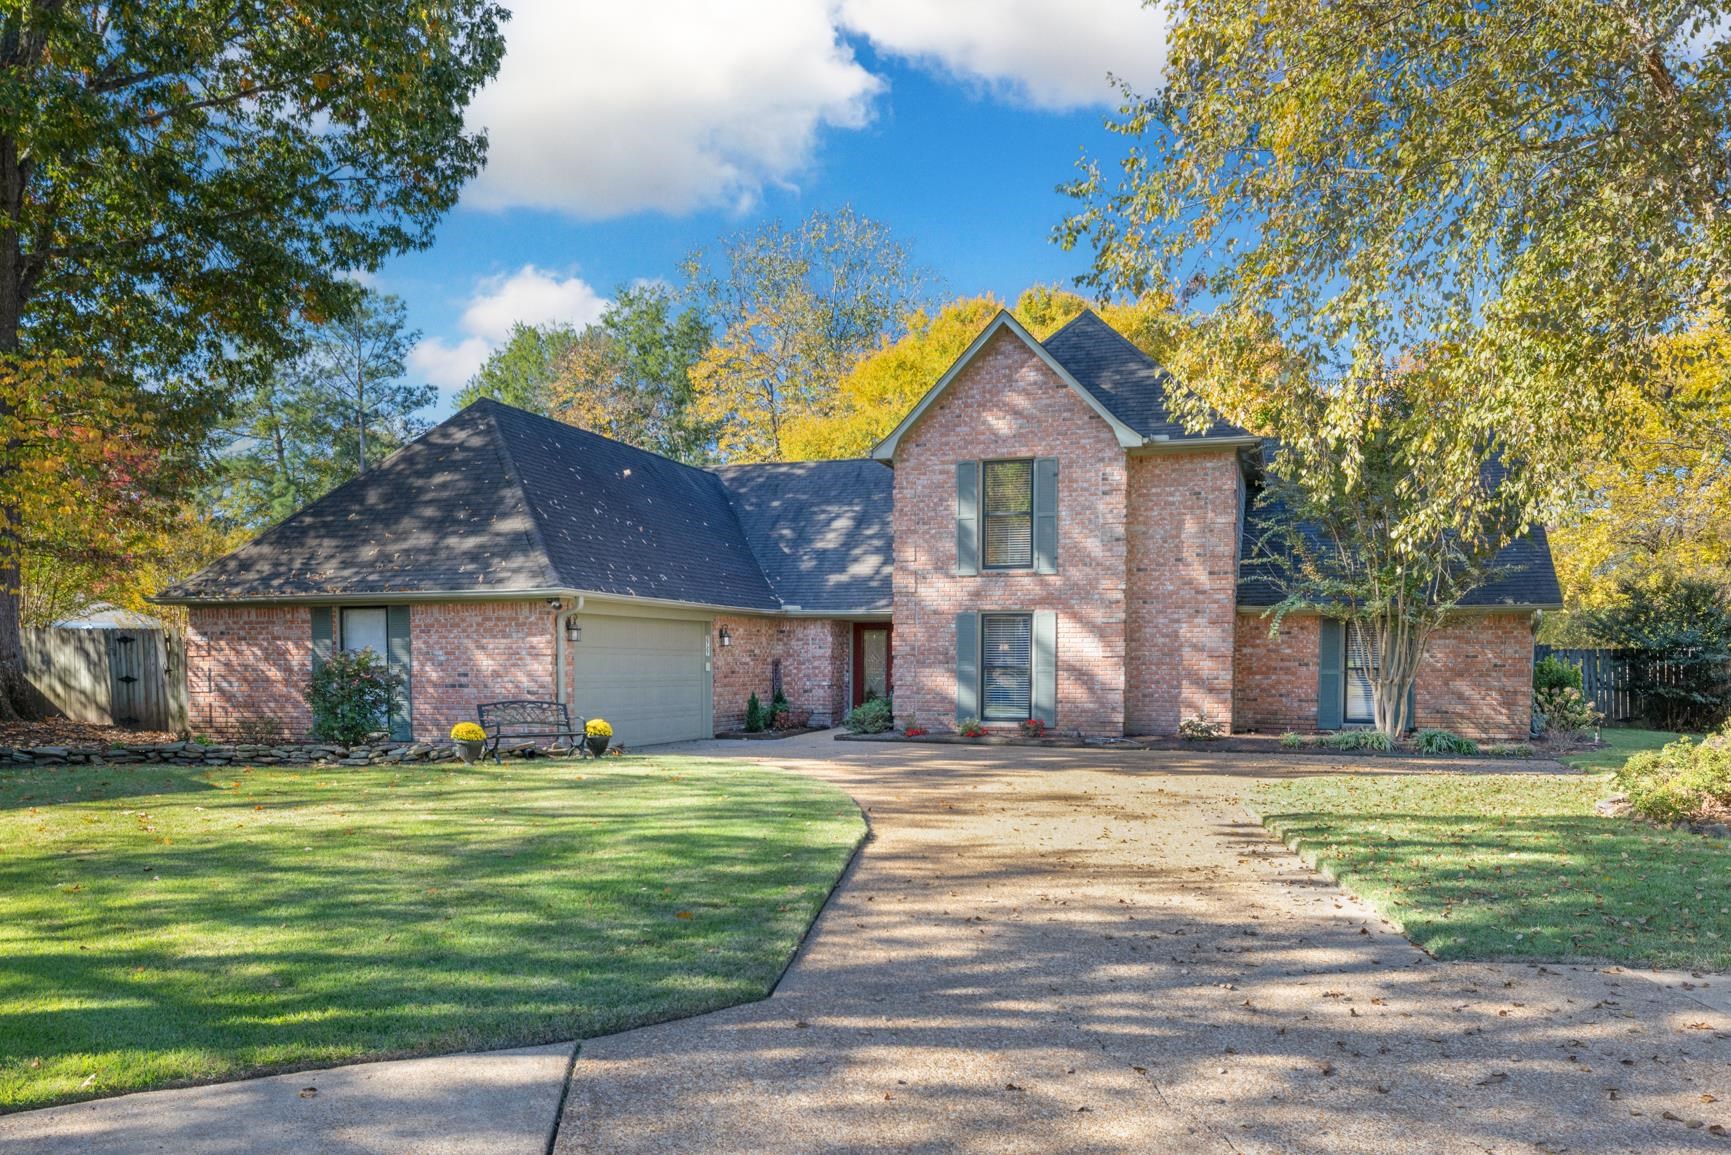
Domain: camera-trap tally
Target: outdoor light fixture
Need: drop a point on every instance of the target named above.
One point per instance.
(573, 630)
(726, 638)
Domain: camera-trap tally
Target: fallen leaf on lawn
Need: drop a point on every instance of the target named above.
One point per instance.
(682, 914)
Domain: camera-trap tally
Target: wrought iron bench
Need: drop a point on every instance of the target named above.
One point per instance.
(526, 721)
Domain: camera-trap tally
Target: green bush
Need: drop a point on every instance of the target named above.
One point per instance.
(754, 719)
(1685, 780)
(1508, 750)
(873, 716)
(1293, 740)
(1443, 742)
(350, 695)
(1356, 740)
(1566, 710)
(1553, 673)
(1676, 635)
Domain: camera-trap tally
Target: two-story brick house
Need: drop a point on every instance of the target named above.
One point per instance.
(1037, 538)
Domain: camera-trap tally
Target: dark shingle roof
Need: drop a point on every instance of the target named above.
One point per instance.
(1527, 577)
(496, 499)
(820, 530)
(1121, 377)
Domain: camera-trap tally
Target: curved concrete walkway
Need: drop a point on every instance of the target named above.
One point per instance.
(1084, 951)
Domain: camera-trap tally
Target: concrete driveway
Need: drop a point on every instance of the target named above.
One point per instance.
(1084, 951)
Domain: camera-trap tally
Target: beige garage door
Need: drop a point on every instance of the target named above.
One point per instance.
(647, 676)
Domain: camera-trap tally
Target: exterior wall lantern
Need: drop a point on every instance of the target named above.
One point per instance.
(725, 637)
(573, 629)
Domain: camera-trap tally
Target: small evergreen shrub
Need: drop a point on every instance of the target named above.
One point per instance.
(1443, 742)
(1201, 728)
(754, 719)
(873, 716)
(1566, 711)
(1685, 781)
(350, 695)
(1552, 673)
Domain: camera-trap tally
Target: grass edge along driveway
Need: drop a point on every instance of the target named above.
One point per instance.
(1516, 866)
(163, 926)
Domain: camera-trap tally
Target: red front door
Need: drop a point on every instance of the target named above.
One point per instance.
(872, 661)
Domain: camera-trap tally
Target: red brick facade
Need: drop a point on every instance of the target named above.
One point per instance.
(1008, 403)
(1183, 588)
(464, 653)
(814, 652)
(248, 664)
(1476, 678)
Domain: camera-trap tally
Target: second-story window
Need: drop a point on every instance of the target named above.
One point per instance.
(1009, 510)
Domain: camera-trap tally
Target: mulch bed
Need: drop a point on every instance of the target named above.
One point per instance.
(770, 735)
(61, 732)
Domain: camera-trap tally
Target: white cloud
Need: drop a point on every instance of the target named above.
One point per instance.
(602, 109)
(530, 295)
(1048, 53)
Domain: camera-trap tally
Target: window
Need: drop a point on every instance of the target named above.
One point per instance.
(365, 628)
(1360, 665)
(1009, 512)
(1006, 660)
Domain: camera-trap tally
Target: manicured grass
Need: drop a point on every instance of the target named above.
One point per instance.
(1619, 744)
(163, 925)
(1491, 866)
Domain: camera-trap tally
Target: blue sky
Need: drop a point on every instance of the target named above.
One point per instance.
(623, 136)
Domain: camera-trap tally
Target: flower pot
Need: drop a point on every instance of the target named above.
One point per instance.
(597, 745)
(470, 750)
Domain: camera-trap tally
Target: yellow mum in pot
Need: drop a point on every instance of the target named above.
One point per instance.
(468, 732)
(597, 728)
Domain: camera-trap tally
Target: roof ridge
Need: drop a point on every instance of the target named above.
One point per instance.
(1087, 311)
(502, 445)
(566, 425)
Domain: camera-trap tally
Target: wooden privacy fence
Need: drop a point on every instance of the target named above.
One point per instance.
(1611, 679)
(110, 677)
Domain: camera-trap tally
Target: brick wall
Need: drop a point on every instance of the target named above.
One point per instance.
(1007, 403)
(465, 653)
(247, 664)
(814, 653)
(1274, 681)
(1476, 678)
(1182, 560)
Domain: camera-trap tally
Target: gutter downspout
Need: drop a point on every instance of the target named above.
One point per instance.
(560, 688)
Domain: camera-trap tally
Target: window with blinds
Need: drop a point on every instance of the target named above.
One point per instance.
(1360, 666)
(1009, 510)
(1006, 666)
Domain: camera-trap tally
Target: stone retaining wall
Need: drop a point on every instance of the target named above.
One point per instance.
(243, 754)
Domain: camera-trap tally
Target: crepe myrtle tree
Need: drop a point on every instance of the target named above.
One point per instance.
(181, 182)
(1366, 516)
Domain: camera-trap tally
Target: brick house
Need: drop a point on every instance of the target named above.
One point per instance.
(1037, 538)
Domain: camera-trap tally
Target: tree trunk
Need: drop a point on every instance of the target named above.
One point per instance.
(16, 701)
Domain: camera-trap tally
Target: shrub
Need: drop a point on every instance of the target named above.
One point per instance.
(1508, 750)
(1357, 740)
(1443, 742)
(350, 695)
(1566, 710)
(1553, 673)
(468, 732)
(1201, 728)
(753, 714)
(971, 728)
(873, 716)
(1686, 780)
(1293, 740)
(1033, 728)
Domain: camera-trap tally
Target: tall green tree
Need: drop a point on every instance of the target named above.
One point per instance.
(1510, 204)
(793, 310)
(179, 181)
(521, 371)
(352, 378)
(628, 375)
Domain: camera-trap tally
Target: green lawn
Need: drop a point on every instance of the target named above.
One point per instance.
(1488, 866)
(1619, 744)
(163, 925)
